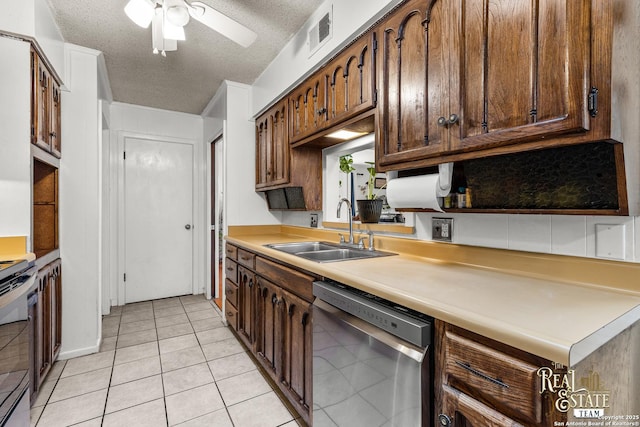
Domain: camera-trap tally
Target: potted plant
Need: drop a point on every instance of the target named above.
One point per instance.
(370, 208)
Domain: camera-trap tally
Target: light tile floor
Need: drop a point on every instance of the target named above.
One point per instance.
(164, 362)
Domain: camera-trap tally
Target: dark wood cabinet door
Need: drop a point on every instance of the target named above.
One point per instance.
(460, 410)
(351, 76)
(263, 146)
(413, 83)
(54, 120)
(270, 332)
(520, 71)
(56, 308)
(44, 323)
(41, 105)
(297, 341)
(272, 147)
(308, 107)
(246, 305)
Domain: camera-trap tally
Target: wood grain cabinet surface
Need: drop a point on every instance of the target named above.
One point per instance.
(308, 107)
(46, 316)
(274, 322)
(457, 77)
(272, 147)
(45, 107)
(480, 382)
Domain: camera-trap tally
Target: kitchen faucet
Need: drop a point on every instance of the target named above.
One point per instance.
(350, 220)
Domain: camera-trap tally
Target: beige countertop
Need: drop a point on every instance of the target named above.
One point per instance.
(560, 320)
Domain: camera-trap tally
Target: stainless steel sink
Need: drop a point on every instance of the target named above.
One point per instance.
(326, 252)
(295, 247)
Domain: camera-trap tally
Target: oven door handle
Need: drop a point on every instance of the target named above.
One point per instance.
(414, 352)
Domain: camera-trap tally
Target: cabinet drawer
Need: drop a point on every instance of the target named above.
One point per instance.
(231, 292)
(287, 278)
(231, 270)
(232, 251)
(509, 384)
(231, 314)
(246, 258)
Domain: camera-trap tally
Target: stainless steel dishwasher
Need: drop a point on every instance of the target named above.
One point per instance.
(371, 360)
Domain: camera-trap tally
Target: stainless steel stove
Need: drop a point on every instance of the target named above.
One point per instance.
(17, 278)
(12, 274)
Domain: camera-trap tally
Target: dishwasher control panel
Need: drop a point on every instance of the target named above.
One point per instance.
(398, 320)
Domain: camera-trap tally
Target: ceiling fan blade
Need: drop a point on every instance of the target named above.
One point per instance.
(222, 24)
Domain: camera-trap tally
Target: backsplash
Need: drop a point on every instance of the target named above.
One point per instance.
(550, 234)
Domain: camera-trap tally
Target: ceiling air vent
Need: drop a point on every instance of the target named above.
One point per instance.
(321, 32)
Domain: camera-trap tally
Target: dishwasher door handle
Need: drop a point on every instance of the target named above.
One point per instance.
(414, 352)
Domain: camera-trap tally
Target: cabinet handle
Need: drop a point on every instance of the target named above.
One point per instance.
(444, 420)
(274, 299)
(322, 111)
(444, 122)
(251, 283)
(481, 374)
(229, 314)
(229, 268)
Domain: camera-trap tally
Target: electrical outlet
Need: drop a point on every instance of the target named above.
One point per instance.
(442, 229)
(314, 220)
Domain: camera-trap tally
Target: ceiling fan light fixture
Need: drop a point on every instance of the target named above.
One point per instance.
(177, 15)
(171, 31)
(158, 42)
(140, 11)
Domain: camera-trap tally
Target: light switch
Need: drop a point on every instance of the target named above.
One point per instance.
(610, 241)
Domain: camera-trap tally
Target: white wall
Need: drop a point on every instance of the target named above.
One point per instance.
(15, 140)
(80, 194)
(293, 62)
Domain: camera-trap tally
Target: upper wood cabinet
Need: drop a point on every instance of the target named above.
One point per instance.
(272, 147)
(350, 80)
(308, 107)
(414, 76)
(340, 90)
(521, 71)
(45, 107)
(461, 76)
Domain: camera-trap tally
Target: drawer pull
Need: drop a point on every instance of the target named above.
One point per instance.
(481, 375)
(230, 268)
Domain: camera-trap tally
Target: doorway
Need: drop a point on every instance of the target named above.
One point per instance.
(158, 219)
(216, 220)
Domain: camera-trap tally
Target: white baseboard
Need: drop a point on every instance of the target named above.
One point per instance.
(64, 355)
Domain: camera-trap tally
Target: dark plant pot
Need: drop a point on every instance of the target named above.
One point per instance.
(369, 210)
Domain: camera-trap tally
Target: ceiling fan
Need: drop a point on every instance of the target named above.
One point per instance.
(168, 18)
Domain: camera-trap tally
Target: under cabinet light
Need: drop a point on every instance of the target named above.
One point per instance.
(345, 134)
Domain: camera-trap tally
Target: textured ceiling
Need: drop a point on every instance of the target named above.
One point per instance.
(188, 78)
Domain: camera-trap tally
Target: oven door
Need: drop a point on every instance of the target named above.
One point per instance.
(15, 353)
(364, 376)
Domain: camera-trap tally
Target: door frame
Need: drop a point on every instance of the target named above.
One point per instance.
(198, 221)
(217, 138)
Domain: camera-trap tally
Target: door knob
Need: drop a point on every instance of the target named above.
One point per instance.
(187, 227)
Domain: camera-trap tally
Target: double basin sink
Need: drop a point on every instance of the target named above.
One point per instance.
(326, 252)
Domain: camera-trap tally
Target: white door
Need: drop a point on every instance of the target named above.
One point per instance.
(158, 180)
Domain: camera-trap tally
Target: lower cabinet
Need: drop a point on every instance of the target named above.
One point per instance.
(274, 321)
(45, 311)
(480, 382)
